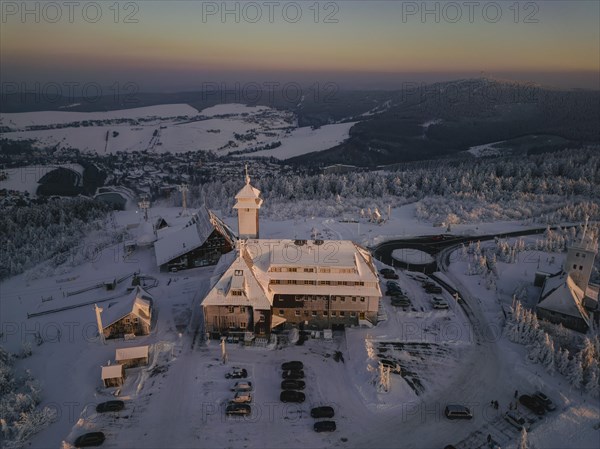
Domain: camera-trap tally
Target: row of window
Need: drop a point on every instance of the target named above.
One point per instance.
(231, 309)
(310, 270)
(306, 282)
(332, 313)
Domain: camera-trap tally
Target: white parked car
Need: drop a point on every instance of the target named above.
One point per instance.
(242, 397)
(242, 386)
(517, 420)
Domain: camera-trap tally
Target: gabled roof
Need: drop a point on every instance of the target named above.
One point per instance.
(248, 197)
(238, 276)
(191, 236)
(112, 371)
(560, 294)
(139, 302)
(135, 352)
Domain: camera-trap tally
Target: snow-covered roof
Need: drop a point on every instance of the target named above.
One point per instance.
(238, 277)
(253, 271)
(139, 302)
(560, 294)
(135, 352)
(112, 371)
(248, 197)
(192, 235)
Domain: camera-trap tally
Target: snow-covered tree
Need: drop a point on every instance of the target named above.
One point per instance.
(575, 372)
(523, 440)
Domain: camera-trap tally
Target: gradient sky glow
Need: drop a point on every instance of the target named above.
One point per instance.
(173, 48)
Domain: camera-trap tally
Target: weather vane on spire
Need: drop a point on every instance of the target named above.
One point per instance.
(247, 177)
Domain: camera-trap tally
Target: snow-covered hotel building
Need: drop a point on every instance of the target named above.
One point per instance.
(267, 282)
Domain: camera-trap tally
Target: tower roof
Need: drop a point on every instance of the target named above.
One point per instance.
(249, 196)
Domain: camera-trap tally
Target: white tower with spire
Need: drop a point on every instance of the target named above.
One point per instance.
(580, 258)
(248, 202)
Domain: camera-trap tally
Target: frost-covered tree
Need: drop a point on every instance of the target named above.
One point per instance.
(575, 372)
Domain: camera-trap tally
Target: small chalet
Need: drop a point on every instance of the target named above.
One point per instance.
(200, 242)
(132, 357)
(113, 375)
(132, 315)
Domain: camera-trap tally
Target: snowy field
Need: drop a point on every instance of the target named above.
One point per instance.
(176, 128)
(26, 179)
(456, 355)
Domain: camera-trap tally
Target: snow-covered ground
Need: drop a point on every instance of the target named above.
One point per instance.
(174, 129)
(26, 179)
(445, 356)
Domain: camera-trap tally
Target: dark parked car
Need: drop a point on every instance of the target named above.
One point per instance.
(322, 412)
(400, 301)
(455, 411)
(545, 401)
(238, 409)
(394, 292)
(434, 289)
(89, 439)
(391, 276)
(293, 374)
(385, 271)
(292, 384)
(324, 426)
(237, 373)
(292, 396)
(392, 284)
(295, 365)
(532, 404)
(110, 406)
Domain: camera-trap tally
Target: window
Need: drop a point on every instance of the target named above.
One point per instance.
(236, 293)
(576, 254)
(574, 266)
(362, 299)
(324, 312)
(309, 270)
(354, 299)
(314, 313)
(342, 299)
(297, 312)
(242, 309)
(231, 309)
(243, 325)
(334, 313)
(333, 298)
(353, 314)
(342, 313)
(580, 267)
(306, 313)
(262, 318)
(238, 272)
(281, 312)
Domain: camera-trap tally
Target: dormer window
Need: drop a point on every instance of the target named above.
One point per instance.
(236, 293)
(238, 273)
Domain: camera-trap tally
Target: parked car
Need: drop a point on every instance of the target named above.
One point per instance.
(292, 396)
(456, 411)
(434, 289)
(237, 373)
(387, 271)
(110, 406)
(514, 418)
(532, 404)
(324, 426)
(402, 301)
(89, 439)
(293, 374)
(242, 397)
(295, 365)
(545, 400)
(392, 284)
(394, 292)
(242, 386)
(238, 409)
(322, 412)
(292, 384)
(391, 276)
(439, 303)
